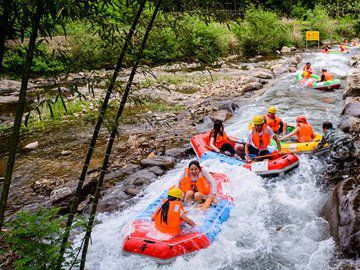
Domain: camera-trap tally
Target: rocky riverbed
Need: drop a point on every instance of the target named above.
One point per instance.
(50, 159)
(342, 208)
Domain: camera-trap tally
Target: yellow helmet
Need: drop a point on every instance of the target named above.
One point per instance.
(272, 110)
(305, 74)
(175, 192)
(258, 120)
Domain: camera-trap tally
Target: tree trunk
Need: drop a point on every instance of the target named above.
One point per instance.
(112, 138)
(4, 26)
(76, 198)
(19, 113)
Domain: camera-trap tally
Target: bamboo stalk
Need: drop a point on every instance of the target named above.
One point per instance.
(112, 138)
(19, 112)
(96, 132)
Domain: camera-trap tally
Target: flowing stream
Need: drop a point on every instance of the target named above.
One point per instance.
(276, 223)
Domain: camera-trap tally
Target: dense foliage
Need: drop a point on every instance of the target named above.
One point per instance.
(35, 238)
(189, 35)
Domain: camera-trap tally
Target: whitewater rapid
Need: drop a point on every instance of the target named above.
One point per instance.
(276, 223)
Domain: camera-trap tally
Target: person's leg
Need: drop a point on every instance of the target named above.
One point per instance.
(263, 152)
(240, 150)
(189, 195)
(199, 197)
(227, 148)
(253, 150)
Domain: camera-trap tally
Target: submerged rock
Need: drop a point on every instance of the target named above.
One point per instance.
(342, 211)
(229, 106)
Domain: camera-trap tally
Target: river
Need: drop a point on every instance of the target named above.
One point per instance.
(276, 223)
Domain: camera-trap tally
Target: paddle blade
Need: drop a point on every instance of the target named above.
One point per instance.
(206, 204)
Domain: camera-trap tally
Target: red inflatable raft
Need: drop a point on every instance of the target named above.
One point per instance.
(143, 238)
(275, 164)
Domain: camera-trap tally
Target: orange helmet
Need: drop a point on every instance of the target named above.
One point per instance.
(301, 119)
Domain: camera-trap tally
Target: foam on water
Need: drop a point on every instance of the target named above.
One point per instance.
(275, 223)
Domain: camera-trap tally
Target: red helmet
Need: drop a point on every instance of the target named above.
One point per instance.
(301, 119)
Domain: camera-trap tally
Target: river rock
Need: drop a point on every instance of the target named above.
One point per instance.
(180, 152)
(293, 49)
(342, 211)
(113, 199)
(221, 115)
(252, 86)
(229, 106)
(348, 122)
(66, 152)
(31, 146)
(162, 161)
(157, 170)
(278, 69)
(7, 102)
(131, 191)
(61, 194)
(118, 174)
(285, 49)
(140, 177)
(262, 74)
(352, 88)
(352, 109)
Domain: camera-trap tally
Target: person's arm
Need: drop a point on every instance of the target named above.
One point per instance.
(290, 134)
(187, 220)
(284, 127)
(211, 180)
(277, 143)
(180, 179)
(212, 146)
(247, 155)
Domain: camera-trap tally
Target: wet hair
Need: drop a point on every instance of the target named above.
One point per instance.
(308, 63)
(327, 125)
(216, 130)
(164, 209)
(194, 162)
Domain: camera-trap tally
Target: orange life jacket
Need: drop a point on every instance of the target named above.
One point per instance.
(306, 133)
(274, 124)
(328, 76)
(201, 184)
(220, 140)
(261, 142)
(173, 219)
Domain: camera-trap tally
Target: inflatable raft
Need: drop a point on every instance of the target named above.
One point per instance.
(313, 82)
(143, 239)
(297, 147)
(275, 165)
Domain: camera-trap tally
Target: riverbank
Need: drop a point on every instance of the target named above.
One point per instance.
(182, 98)
(342, 208)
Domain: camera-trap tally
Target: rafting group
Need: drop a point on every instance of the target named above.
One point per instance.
(343, 48)
(165, 229)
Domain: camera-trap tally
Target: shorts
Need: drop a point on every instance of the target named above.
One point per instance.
(227, 147)
(257, 152)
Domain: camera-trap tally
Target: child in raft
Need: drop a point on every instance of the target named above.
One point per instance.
(221, 143)
(197, 183)
(170, 214)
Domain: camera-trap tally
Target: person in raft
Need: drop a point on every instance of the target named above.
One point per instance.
(325, 76)
(307, 70)
(170, 214)
(274, 122)
(197, 183)
(326, 48)
(303, 131)
(259, 139)
(221, 143)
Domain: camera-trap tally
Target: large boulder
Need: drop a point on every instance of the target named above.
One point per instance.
(348, 122)
(252, 86)
(162, 161)
(180, 152)
(221, 115)
(352, 108)
(342, 211)
(352, 88)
